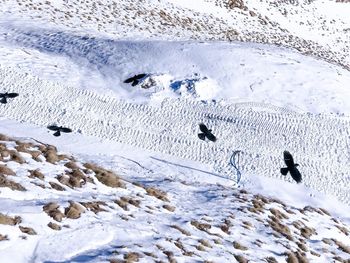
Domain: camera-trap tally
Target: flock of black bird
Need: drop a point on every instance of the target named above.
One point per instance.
(205, 132)
(287, 156)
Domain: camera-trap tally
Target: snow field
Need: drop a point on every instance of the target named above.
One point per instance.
(318, 142)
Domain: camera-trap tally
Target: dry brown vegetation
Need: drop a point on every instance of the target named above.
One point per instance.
(183, 231)
(280, 228)
(239, 246)
(342, 246)
(132, 257)
(241, 259)
(278, 214)
(169, 207)
(296, 257)
(72, 165)
(8, 220)
(74, 210)
(200, 226)
(27, 230)
(6, 170)
(4, 138)
(16, 157)
(105, 177)
(57, 186)
(5, 182)
(157, 193)
(54, 226)
(271, 260)
(307, 232)
(36, 174)
(3, 237)
(74, 179)
(52, 209)
(95, 206)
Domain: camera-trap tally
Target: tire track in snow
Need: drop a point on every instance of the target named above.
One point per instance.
(319, 143)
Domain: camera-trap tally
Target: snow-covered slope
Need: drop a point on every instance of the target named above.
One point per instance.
(57, 207)
(133, 181)
(262, 132)
(319, 28)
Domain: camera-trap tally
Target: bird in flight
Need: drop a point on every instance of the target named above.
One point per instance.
(291, 167)
(6, 95)
(135, 79)
(58, 129)
(206, 133)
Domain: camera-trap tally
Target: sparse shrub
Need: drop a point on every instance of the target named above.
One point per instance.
(27, 230)
(169, 208)
(342, 246)
(132, 257)
(4, 182)
(200, 226)
(8, 220)
(54, 226)
(307, 232)
(157, 193)
(106, 177)
(56, 186)
(36, 174)
(281, 228)
(74, 210)
(94, 206)
(52, 210)
(3, 237)
(271, 260)
(16, 157)
(240, 259)
(4, 138)
(239, 246)
(6, 170)
(183, 231)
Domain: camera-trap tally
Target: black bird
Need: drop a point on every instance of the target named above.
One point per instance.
(58, 129)
(135, 79)
(6, 95)
(291, 167)
(206, 133)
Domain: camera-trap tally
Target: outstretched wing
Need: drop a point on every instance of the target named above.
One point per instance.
(135, 82)
(53, 127)
(296, 175)
(288, 159)
(12, 95)
(129, 80)
(139, 76)
(203, 128)
(211, 137)
(201, 136)
(63, 129)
